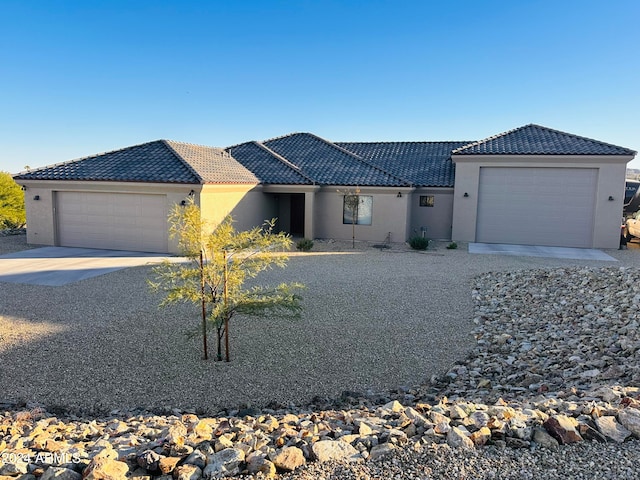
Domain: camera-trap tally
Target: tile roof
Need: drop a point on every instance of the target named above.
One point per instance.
(424, 164)
(537, 140)
(213, 165)
(267, 165)
(329, 164)
(306, 159)
(160, 161)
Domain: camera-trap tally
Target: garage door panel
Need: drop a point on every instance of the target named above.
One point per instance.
(112, 220)
(536, 206)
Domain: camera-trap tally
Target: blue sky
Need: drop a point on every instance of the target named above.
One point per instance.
(83, 77)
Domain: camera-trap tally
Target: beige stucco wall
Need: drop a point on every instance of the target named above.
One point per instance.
(390, 213)
(438, 218)
(247, 204)
(41, 220)
(611, 182)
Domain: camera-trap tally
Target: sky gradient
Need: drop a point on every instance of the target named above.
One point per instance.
(83, 77)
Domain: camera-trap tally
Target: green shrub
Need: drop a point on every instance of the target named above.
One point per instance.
(304, 245)
(419, 243)
(452, 246)
(12, 213)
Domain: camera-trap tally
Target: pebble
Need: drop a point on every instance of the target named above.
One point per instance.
(549, 392)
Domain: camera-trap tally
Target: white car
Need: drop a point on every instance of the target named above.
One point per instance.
(632, 227)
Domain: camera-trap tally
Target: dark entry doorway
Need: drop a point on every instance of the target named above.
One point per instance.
(297, 215)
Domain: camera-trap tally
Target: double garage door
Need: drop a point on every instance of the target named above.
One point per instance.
(537, 206)
(118, 221)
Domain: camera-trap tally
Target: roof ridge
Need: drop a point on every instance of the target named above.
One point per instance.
(411, 141)
(183, 160)
(360, 159)
(283, 160)
(284, 136)
(194, 144)
(492, 137)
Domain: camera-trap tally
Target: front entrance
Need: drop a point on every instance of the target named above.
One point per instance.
(291, 213)
(297, 215)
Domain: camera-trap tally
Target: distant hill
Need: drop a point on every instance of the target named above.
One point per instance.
(633, 173)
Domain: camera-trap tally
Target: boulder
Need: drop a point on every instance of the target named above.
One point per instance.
(563, 429)
(60, 473)
(224, 463)
(326, 450)
(457, 438)
(288, 459)
(630, 419)
(187, 472)
(612, 429)
(102, 468)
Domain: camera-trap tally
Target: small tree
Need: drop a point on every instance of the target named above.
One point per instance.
(12, 213)
(352, 201)
(220, 262)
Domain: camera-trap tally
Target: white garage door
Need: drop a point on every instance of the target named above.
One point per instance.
(118, 221)
(537, 206)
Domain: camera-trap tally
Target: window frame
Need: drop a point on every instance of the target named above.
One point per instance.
(363, 215)
(427, 200)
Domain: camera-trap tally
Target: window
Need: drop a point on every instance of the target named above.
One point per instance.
(358, 208)
(427, 200)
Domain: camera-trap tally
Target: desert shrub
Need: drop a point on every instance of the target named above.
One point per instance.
(304, 245)
(452, 246)
(12, 213)
(419, 243)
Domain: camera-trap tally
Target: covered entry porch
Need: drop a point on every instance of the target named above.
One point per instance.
(294, 208)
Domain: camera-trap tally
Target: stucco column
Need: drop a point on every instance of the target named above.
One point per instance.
(309, 220)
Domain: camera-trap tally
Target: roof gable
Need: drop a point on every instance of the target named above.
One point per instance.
(425, 164)
(538, 140)
(328, 164)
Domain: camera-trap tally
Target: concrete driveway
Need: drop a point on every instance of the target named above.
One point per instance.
(56, 266)
(540, 251)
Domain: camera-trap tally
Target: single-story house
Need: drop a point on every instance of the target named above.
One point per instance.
(531, 185)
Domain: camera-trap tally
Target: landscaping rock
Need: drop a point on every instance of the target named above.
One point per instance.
(289, 458)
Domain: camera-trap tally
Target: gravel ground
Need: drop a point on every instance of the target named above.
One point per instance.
(584, 461)
(373, 320)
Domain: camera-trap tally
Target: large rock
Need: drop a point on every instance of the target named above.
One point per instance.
(223, 463)
(480, 437)
(416, 417)
(456, 438)
(167, 464)
(563, 429)
(630, 419)
(60, 473)
(197, 458)
(187, 472)
(326, 450)
(289, 458)
(394, 406)
(612, 429)
(176, 434)
(14, 468)
(102, 468)
(149, 460)
(258, 464)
